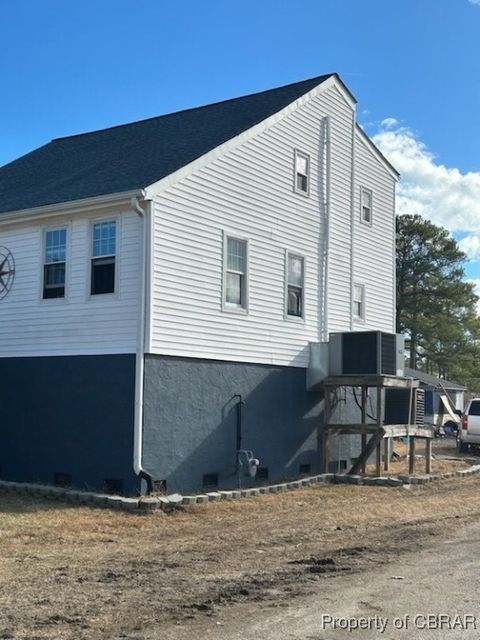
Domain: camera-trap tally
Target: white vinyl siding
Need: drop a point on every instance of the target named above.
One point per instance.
(248, 192)
(81, 324)
(339, 293)
(374, 246)
(245, 193)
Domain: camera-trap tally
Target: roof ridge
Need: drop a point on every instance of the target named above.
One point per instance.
(321, 78)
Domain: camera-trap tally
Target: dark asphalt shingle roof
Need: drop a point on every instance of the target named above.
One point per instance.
(135, 155)
(432, 381)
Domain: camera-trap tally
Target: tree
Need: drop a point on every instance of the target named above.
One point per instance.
(436, 307)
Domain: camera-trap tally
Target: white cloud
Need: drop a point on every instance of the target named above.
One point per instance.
(477, 2)
(442, 194)
(471, 246)
(390, 123)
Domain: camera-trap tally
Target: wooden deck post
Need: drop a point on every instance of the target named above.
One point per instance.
(325, 452)
(428, 455)
(380, 405)
(378, 459)
(364, 444)
(411, 460)
(380, 414)
(372, 430)
(326, 421)
(364, 421)
(386, 453)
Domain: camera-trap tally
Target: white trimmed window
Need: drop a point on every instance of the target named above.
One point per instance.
(54, 263)
(366, 201)
(302, 172)
(359, 302)
(294, 289)
(235, 276)
(104, 249)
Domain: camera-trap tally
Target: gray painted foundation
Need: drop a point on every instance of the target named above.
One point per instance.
(190, 421)
(70, 415)
(75, 416)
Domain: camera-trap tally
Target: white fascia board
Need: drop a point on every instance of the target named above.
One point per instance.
(371, 146)
(73, 206)
(333, 82)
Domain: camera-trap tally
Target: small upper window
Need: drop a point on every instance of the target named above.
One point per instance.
(235, 277)
(359, 302)
(295, 285)
(104, 246)
(366, 206)
(302, 172)
(54, 263)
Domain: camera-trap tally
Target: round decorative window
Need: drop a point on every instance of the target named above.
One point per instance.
(7, 271)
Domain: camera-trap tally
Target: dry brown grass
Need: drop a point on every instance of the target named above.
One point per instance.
(80, 573)
(439, 465)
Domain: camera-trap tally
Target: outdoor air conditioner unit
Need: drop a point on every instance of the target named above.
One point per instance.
(404, 406)
(366, 353)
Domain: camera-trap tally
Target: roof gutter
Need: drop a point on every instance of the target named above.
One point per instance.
(145, 216)
(62, 208)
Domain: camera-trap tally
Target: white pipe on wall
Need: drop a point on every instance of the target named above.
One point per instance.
(145, 217)
(352, 222)
(327, 230)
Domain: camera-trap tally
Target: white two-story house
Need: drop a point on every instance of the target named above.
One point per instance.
(155, 274)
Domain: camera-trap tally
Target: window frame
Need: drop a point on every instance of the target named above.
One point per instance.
(362, 219)
(296, 154)
(91, 257)
(286, 315)
(230, 307)
(43, 242)
(359, 318)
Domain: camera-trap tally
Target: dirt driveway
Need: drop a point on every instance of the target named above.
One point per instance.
(216, 570)
(428, 593)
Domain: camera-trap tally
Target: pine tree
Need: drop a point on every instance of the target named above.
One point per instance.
(436, 307)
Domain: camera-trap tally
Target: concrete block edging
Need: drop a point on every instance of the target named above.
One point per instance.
(150, 504)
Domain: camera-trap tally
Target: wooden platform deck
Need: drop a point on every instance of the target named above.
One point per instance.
(373, 433)
(391, 430)
(370, 381)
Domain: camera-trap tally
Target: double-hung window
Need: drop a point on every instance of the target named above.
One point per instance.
(54, 265)
(104, 248)
(302, 172)
(235, 273)
(359, 302)
(366, 200)
(295, 278)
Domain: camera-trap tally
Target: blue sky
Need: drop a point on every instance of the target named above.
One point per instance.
(69, 66)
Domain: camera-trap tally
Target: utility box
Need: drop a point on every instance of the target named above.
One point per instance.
(366, 353)
(318, 365)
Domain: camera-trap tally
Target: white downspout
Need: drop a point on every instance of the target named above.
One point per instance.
(140, 348)
(327, 230)
(352, 222)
